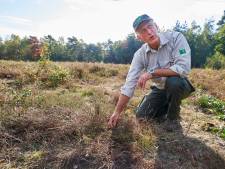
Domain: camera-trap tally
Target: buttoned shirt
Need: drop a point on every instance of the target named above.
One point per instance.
(173, 53)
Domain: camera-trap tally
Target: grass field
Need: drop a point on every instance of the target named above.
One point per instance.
(54, 115)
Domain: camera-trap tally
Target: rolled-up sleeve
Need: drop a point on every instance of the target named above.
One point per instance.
(132, 77)
(182, 56)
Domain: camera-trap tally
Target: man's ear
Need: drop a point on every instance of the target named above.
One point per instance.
(139, 37)
(157, 28)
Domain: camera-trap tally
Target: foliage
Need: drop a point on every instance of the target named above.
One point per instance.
(201, 41)
(217, 61)
(145, 141)
(220, 39)
(220, 131)
(121, 51)
(20, 98)
(51, 75)
(213, 105)
(57, 76)
(222, 20)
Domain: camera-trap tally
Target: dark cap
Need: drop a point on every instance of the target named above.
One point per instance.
(140, 19)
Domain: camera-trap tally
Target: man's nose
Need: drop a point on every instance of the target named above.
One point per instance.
(149, 31)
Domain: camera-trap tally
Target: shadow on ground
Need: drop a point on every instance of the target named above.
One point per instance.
(174, 150)
(121, 147)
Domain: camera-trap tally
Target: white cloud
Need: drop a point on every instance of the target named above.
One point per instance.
(14, 19)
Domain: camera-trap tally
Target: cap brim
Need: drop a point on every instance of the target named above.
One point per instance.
(144, 21)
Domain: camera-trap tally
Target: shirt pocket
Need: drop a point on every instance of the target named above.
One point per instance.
(165, 58)
(152, 62)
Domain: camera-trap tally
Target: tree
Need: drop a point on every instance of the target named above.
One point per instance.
(123, 51)
(50, 43)
(2, 49)
(56, 48)
(75, 49)
(217, 61)
(93, 53)
(12, 47)
(132, 45)
(179, 27)
(221, 22)
(108, 52)
(201, 41)
(26, 49)
(220, 39)
(207, 41)
(35, 47)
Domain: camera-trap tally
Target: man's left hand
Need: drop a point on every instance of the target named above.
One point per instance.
(143, 79)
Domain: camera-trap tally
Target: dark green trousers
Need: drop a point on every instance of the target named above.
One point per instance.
(166, 102)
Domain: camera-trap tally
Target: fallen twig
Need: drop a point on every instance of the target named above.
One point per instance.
(10, 136)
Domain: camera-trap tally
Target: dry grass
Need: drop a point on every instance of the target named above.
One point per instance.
(211, 81)
(64, 125)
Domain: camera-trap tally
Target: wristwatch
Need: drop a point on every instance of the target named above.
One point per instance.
(151, 71)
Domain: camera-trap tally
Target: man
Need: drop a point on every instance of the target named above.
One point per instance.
(166, 60)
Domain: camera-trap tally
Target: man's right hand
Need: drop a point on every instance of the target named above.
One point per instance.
(113, 120)
(143, 79)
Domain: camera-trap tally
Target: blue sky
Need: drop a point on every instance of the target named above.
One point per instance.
(98, 20)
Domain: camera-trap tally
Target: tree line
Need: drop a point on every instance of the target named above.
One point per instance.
(207, 45)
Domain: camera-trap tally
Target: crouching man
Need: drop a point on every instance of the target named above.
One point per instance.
(165, 58)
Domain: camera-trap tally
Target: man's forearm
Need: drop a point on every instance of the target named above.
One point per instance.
(122, 102)
(164, 73)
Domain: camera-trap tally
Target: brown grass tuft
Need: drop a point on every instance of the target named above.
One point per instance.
(212, 81)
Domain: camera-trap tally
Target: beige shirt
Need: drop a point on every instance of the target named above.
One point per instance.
(174, 53)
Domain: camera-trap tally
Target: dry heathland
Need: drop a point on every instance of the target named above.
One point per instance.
(54, 115)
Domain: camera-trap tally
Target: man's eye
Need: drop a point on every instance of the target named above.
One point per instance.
(143, 31)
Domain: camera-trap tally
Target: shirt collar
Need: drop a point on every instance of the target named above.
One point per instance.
(163, 41)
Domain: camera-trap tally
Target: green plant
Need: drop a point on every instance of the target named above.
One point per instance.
(217, 61)
(218, 131)
(57, 76)
(51, 75)
(40, 100)
(145, 142)
(221, 116)
(212, 104)
(20, 98)
(222, 133)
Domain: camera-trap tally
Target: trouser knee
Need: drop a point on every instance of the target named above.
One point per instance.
(178, 87)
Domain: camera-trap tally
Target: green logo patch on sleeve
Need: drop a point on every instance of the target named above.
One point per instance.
(182, 51)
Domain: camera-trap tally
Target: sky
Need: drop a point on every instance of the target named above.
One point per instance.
(99, 20)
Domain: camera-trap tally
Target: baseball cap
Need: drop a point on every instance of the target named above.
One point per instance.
(140, 19)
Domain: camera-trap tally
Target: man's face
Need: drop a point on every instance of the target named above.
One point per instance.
(147, 32)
